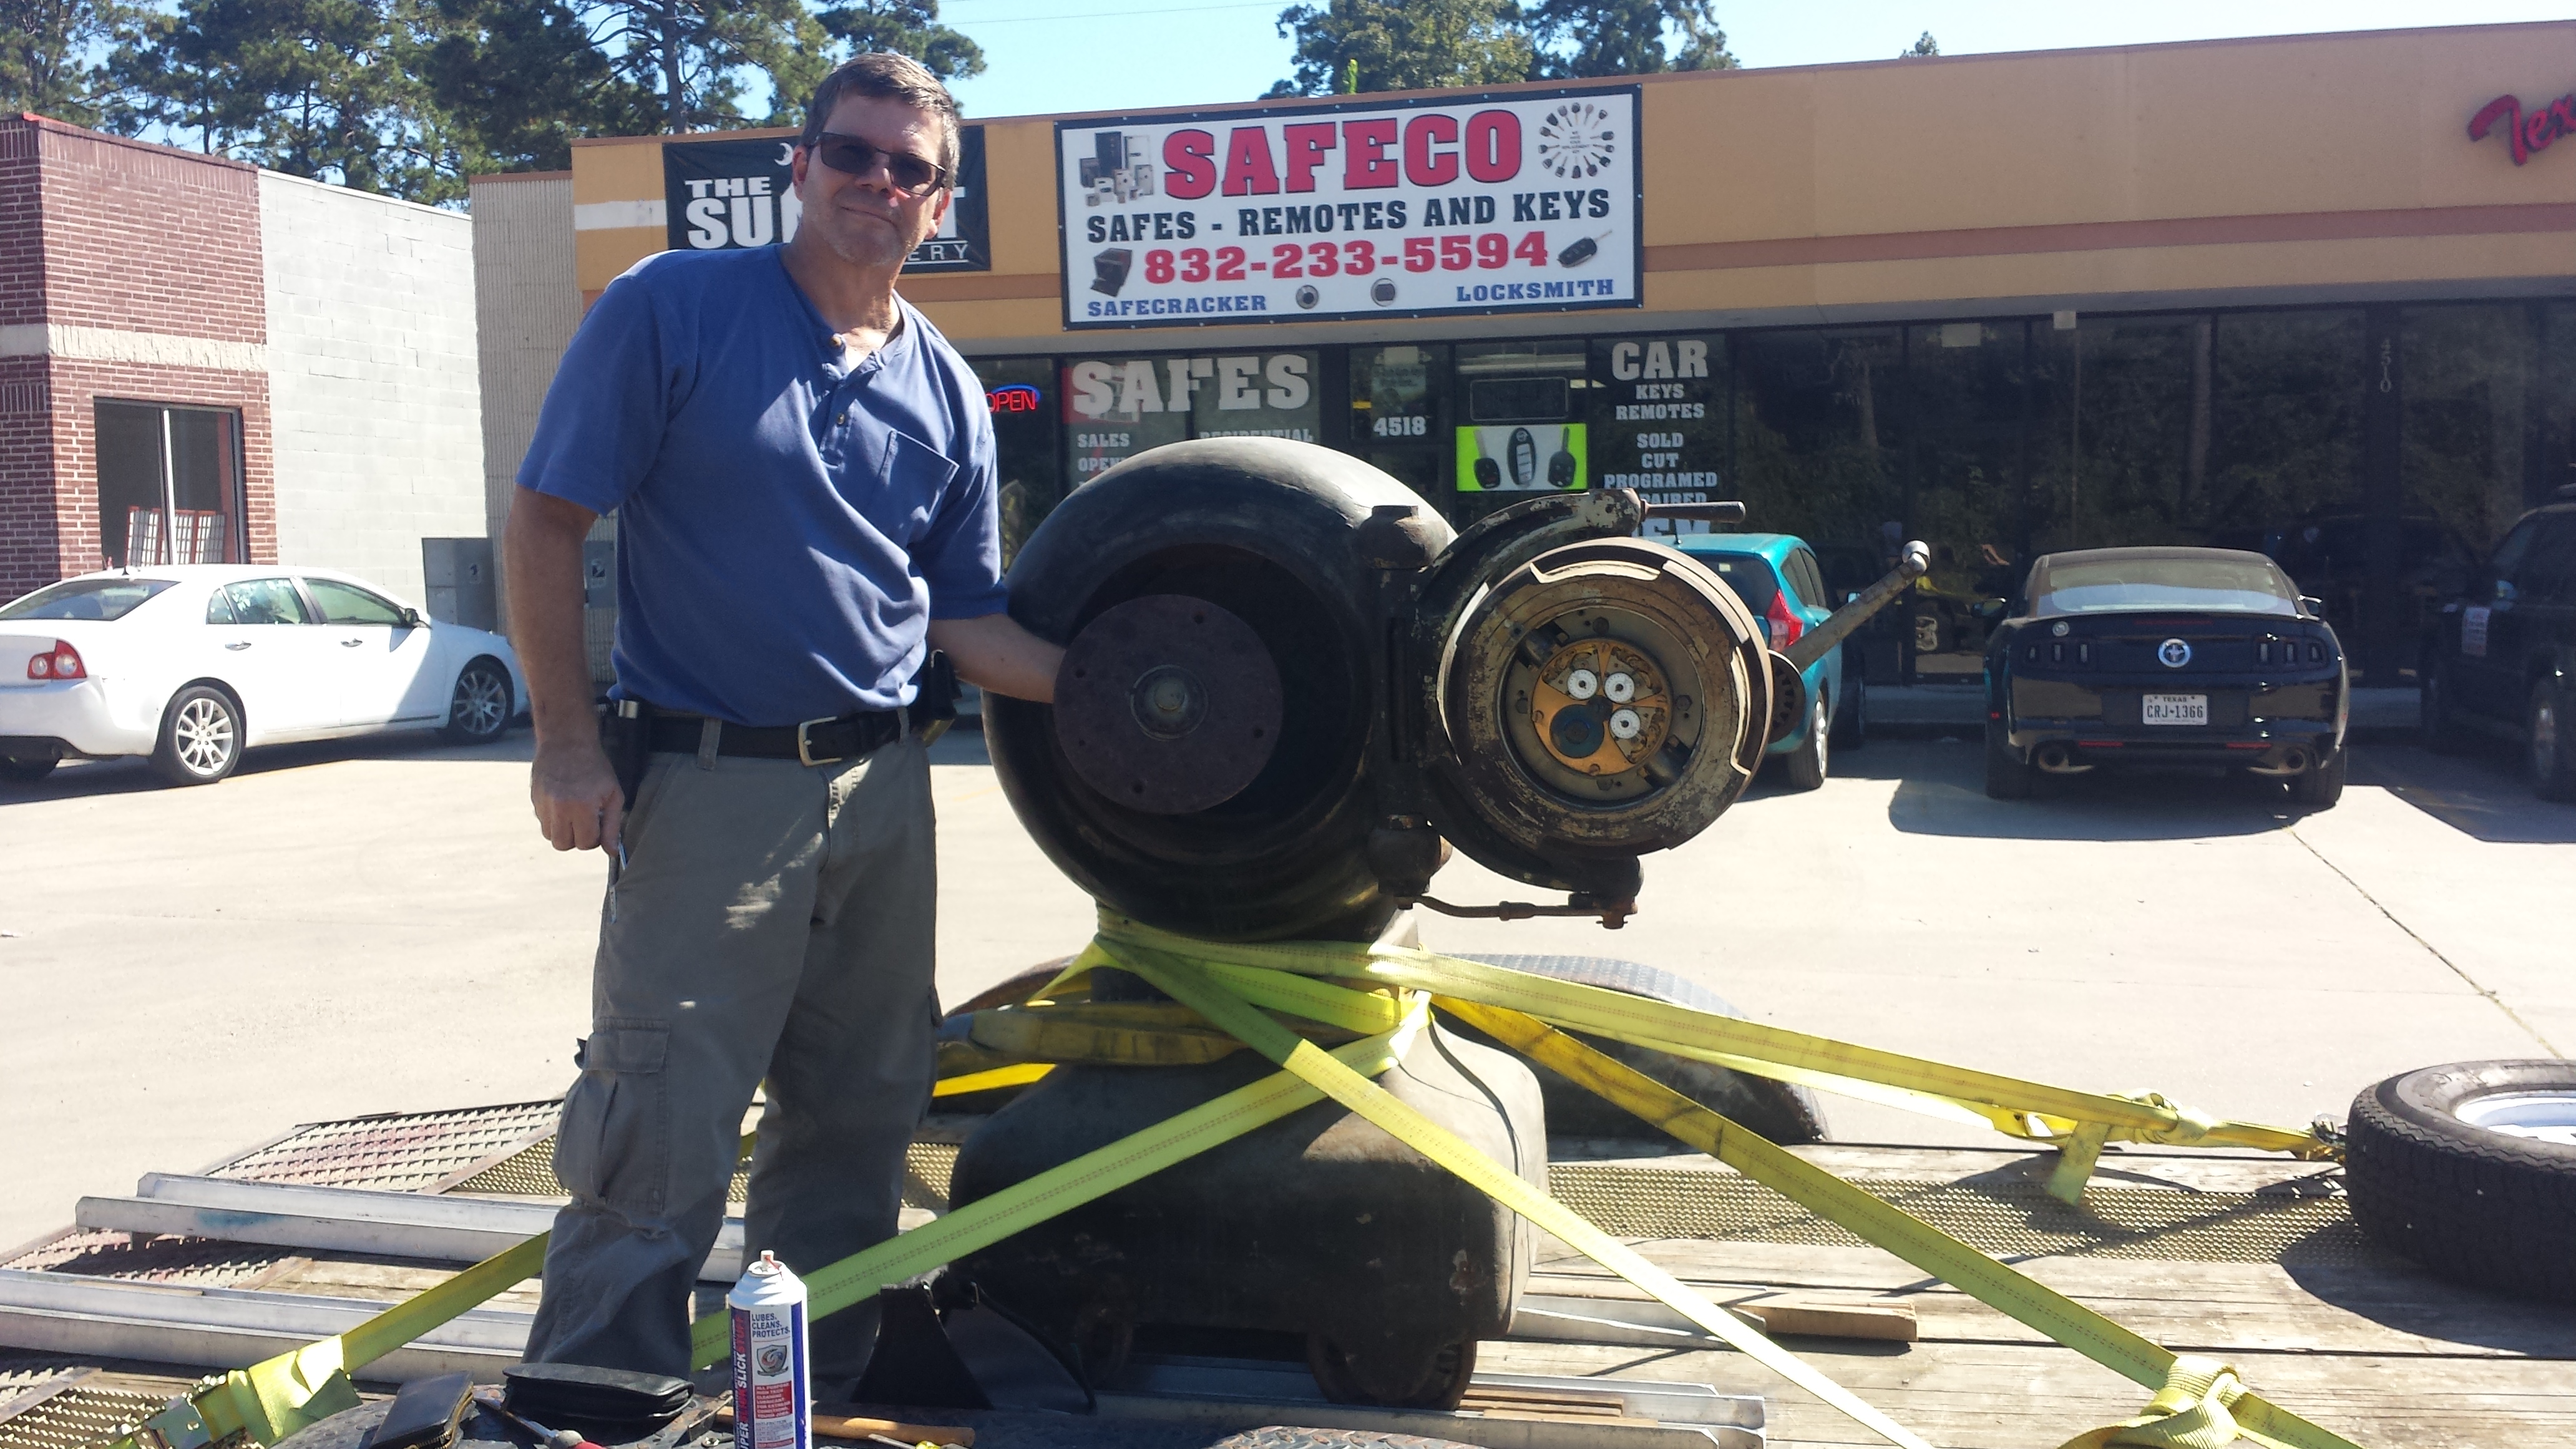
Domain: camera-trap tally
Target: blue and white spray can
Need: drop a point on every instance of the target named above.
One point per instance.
(771, 1406)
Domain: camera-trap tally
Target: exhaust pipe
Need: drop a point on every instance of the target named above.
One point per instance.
(2294, 761)
(2058, 758)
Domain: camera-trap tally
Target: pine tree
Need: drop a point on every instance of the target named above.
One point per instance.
(49, 53)
(1583, 38)
(1401, 45)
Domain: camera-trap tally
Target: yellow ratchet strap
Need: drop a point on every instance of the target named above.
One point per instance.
(1185, 980)
(1897, 1231)
(1011, 1076)
(987, 1221)
(2012, 1105)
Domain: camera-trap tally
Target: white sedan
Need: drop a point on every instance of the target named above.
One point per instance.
(193, 663)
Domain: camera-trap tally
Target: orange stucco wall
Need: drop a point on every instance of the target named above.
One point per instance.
(2249, 170)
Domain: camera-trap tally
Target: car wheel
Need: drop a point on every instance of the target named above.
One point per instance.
(2435, 718)
(480, 710)
(201, 737)
(2550, 760)
(2008, 775)
(25, 772)
(2470, 1170)
(2322, 784)
(1807, 763)
(1851, 725)
(1780, 1111)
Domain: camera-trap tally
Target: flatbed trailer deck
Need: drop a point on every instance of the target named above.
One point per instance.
(2248, 1258)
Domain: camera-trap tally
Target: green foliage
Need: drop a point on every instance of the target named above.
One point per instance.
(1584, 38)
(410, 97)
(310, 87)
(906, 27)
(1401, 45)
(1923, 45)
(48, 56)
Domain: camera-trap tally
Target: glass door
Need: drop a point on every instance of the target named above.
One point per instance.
(169, 484)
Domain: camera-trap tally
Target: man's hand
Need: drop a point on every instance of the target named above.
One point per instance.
(994, 653)
(578, 803)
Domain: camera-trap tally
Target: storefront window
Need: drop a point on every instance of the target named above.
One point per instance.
(1659, 420)
(2121, 413)
(1968, 492)
(1115, 408)
(2285, 448)
(1524, 429)
(169, 484)
(1400, 416)
(1020, 390)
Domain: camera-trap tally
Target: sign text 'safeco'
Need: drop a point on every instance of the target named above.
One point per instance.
(2527, 133)
(1481, 204)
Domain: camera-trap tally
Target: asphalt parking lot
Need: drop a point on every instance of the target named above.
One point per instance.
(375, 926)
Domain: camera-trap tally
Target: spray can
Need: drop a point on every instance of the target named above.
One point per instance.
(771, 1407)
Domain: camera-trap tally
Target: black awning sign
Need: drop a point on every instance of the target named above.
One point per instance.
(721, 195)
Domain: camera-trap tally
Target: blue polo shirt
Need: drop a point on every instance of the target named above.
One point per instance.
(787, 524)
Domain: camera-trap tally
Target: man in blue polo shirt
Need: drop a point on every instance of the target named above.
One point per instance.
(803, 473)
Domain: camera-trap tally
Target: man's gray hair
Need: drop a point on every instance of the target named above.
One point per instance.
(892, 77)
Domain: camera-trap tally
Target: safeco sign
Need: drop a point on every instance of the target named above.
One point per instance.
(1519, 203)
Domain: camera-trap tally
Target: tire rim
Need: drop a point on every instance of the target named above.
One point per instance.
(2539, 1116)
(480, 703)
(2544, 740)
(203, 735)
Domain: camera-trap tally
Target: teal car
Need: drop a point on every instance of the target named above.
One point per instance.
(1778, 578)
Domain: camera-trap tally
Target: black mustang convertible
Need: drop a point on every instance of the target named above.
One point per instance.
(2164, 656)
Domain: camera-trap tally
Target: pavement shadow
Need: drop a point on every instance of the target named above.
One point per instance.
(2479, 793)
(82, 779)
(1941, 791)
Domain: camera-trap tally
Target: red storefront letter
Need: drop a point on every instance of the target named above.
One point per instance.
(1368, 167)
(1422, 165)
(1249, 170)
(1306, 147)
(2502, 108)
(1187, 153)
(1493, 146)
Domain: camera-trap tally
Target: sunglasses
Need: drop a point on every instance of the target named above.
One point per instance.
(851, 156)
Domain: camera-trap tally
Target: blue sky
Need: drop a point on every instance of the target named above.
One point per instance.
(1071, 55)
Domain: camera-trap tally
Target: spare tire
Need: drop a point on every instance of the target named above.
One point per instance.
(2470, 1170)
(1780, 1111)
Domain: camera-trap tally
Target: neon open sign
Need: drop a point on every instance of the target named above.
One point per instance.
(1013, 397)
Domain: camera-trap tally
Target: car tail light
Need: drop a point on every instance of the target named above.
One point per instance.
(1785, 625)
(60, 662)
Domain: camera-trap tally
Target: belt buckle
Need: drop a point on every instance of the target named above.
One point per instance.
(805, 744)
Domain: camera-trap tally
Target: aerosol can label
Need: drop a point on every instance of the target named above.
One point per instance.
(771, 1406)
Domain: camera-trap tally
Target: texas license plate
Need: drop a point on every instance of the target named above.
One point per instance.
(2175, 709)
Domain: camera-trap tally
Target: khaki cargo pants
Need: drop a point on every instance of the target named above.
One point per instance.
(773, 923)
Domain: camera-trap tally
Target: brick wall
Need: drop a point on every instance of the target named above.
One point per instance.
(132, 272)
(372, 378)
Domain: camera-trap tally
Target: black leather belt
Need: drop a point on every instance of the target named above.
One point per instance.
(815, 742)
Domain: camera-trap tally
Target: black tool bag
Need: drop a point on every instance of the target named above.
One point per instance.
(605, 1404)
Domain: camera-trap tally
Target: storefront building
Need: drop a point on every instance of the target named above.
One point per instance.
(2315, 296)
(204, 362)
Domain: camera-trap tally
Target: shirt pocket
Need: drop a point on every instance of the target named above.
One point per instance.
(913, 480)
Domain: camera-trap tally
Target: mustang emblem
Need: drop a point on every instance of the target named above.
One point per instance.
(2173, 654)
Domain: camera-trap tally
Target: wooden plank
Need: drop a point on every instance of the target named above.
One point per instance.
(2395, 1309)
(2016, 1396)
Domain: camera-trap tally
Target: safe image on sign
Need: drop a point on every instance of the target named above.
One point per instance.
(1497, 203)
(725, 195)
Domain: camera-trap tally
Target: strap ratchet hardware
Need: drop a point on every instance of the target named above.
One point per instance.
(1240, 989)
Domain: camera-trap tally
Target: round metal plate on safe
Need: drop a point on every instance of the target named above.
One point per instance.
(1167, 704)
